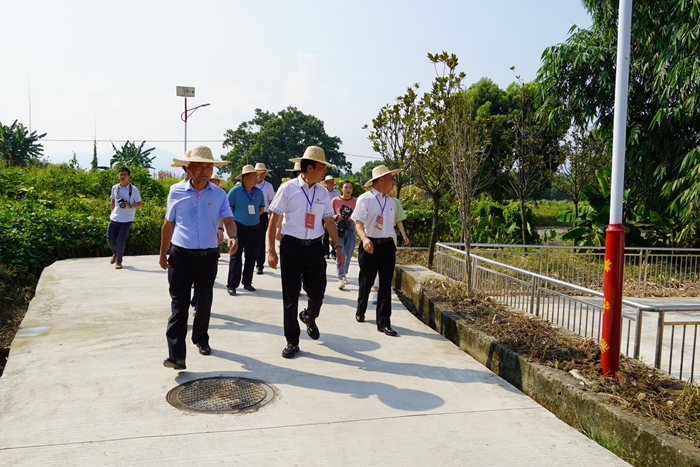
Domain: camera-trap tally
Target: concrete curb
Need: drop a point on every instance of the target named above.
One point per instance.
(640, 442)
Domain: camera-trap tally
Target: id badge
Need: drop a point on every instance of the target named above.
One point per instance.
(379, 223)
(251, 209)
(310, 220)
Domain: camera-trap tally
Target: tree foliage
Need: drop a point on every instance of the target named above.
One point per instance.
(663, 121)
(132, 156)
(468, 146)
(18, 147)
(392, 134)
(584, 153)
(275, 138)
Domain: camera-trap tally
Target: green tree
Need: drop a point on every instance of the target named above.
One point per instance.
(584, 154)
(533, 151)
(430, 144)
(18, 147)
(94, 163)
(468, 149)
(391, 135)
(275, 138)
(663, 141)
(133, 156)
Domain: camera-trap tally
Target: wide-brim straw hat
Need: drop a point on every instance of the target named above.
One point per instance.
(314, 153)
(247, 169)
(216, 177)
(285, 179)
(198, 154)
(297, 168)
(180, 164)
(260, 167)
(331, 177)
(380, 171)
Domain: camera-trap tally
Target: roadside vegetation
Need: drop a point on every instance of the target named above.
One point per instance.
(644, 391)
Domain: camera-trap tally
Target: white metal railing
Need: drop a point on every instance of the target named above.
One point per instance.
(649, 271)
(579, 309)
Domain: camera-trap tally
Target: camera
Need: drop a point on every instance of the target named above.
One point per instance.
(121, 202)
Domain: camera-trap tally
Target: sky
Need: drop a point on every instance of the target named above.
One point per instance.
(78, 70)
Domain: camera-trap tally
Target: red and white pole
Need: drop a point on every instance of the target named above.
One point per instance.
(615, 234)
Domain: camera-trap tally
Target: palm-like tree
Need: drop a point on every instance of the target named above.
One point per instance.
(131, 155)
(18, 147)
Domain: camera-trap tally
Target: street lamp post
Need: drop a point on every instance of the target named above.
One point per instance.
(185, 91)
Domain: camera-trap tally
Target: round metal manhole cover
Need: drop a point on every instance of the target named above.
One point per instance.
(221, 395)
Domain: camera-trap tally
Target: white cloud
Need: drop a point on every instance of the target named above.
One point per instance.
(302, 86)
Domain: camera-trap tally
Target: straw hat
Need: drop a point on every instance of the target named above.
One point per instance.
(198, 154)
(297, 168)
(260, 167)
(380, 171)
(216, 177)
(179, 164)
(314, 153)
(330, 177)
(286, 179)
(247, 169)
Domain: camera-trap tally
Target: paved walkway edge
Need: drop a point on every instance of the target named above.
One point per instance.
(640, 442)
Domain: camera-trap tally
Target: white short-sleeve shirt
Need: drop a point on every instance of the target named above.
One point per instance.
(294, 200)
(126, 214)
(369, 207)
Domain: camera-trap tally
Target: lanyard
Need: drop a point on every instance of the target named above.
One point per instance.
(250, 198)
(386, 198)
(310, 201)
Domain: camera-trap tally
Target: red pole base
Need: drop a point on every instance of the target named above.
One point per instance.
(611, 332)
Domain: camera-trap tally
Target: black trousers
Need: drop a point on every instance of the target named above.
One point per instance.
(247, 248)
(260, 255)
(381, 262)
(183, 271)
(297, 260)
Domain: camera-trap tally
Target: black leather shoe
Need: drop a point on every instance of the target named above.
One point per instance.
(386, 330)
(360, 318)
(249, 287)
(174, 363)
(231, 291)
(204, 348)
(311, 328)
(290, 351)
(259, 271)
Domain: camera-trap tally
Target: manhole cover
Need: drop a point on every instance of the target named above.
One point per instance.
(221, 395)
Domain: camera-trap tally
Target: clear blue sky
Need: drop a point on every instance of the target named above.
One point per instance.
(114, 66)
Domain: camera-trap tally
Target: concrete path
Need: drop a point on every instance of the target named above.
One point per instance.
(85, 385)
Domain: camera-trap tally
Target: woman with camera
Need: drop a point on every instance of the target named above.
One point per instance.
(343, 206)
(125, 198)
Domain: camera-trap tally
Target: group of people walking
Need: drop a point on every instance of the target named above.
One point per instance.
(296, 218)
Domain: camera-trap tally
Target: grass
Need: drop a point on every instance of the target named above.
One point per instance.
(546, 212)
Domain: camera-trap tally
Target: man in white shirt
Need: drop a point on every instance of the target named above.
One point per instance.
(303, 202)
(268, 194)
(124, 199)
(374, 218)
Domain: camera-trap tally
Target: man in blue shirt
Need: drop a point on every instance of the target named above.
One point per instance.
(247, 203)
(195, 209)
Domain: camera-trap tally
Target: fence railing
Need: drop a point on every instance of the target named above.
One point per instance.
(660, 272)
(648, 331)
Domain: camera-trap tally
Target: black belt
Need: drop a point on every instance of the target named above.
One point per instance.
(197, 253)
(304, 242)
(379, 241)
(249, 227)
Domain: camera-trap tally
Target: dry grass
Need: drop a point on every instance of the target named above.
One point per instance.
(642, 390)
